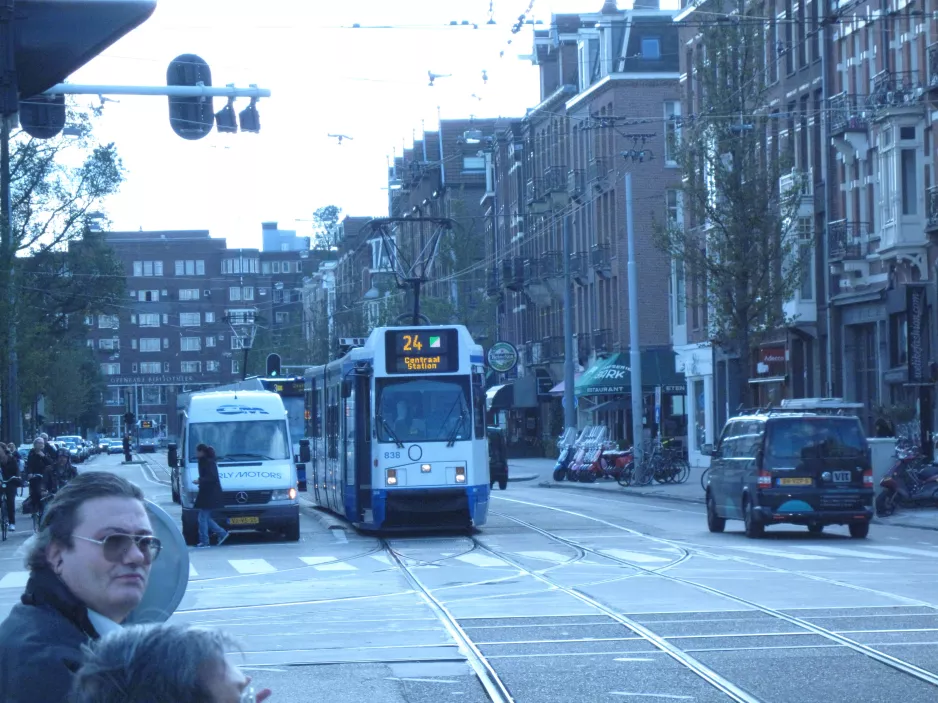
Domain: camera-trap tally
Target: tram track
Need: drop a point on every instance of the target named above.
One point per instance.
(875, 654)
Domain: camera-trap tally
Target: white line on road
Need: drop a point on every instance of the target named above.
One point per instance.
(192, 572)
(252, 566)
(339, 536)
(637, 557)
(838, 551)
(383, 558)
(327, 564)
(410, 678)
(668, 696)
(632, 659)
(907, 550)
(552, 557)
(783, 555)
(14, 579)
(481, 560)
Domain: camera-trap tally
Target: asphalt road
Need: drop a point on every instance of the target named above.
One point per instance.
(566, 596)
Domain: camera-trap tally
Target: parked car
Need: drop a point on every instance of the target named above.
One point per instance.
(802, 468)
(115, 446)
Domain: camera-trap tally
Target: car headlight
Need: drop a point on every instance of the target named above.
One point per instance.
(288, 494)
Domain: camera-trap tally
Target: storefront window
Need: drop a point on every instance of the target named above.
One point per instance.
(700, 415)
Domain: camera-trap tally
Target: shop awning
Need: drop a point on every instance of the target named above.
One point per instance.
(499, 397)
(613, 375)
(610, 406)
(559, 388)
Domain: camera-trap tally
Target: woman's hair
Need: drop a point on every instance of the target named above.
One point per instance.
(207, 450)
(151, 664)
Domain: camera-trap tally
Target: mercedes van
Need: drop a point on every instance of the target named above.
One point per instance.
(251, 437)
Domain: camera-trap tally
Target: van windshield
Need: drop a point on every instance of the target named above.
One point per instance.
(235, 441)
(815, 438)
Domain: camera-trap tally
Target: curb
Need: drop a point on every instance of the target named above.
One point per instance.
(523, 477)
(908, 525)
(327, 520)
(632, 492)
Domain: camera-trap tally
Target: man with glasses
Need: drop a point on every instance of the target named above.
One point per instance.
(89, 565)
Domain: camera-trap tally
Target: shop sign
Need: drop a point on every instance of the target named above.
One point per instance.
(771, 361)
(503, 357)
(915, 309)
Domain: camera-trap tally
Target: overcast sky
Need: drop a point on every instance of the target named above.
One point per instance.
(325, 77)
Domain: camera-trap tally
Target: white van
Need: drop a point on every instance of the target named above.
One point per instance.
(251, 438)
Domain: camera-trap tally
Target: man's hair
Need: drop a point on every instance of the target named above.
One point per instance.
(151, 664)
(61, 515)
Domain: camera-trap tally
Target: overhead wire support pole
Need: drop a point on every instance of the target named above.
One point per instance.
(172, 91)
(635, 361)
(569, 399)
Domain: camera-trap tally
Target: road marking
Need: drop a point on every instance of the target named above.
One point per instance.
(14, 579)
(552, 557)
(783, 555)
(328, 564)
(339, 536)
(410, 678)
(192, 572)
(840, 552)
(383, 558)
(667, 696)
(252, 566)
(908, 550)
(632, 659)
(481, 560)
(637, 557)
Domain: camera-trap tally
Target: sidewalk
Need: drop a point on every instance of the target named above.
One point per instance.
(689, 492)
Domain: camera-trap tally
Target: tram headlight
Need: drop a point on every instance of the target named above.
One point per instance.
(460, 474)
(391, 478)
(425, 468)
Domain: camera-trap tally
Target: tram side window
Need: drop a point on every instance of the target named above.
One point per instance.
(478, 404)
(315, 416)
(332, 425)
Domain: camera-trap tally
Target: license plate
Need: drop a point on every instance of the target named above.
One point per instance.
(842, 477)
(244, 521)
(794, 482)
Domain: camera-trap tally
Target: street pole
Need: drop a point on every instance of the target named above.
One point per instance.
(635, 353)
(569, 411)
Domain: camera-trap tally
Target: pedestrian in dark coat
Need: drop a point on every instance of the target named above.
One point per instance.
(210, 496)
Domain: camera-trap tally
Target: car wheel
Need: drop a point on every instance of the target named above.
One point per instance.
(175, 494)
(292, 533)
(815, 528)
(715, 523)
(859, 530)
(754, 529)
(502, 484)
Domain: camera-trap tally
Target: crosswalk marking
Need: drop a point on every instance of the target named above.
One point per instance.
(192, 572)
(383, 558)
(327, 564)
(14, 579)
(908, 550)
(481, 560)
(252, 566)
(840, 552)
(637, 557)
(782, 555)
(552, 557)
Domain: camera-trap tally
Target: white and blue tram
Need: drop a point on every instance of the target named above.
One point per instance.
(397, 431)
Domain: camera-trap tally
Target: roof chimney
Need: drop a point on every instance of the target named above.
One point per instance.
(647, 5)
(609, 8)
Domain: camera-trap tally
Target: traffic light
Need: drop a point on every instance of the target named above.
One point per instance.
(190, 118)
(273, 365)
(129, 418)
(54, 38)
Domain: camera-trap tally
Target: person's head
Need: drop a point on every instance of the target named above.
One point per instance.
(11, 447)
(62, 456)
(204, 450)
(145, 663)
(44, 437)
(38, 444)
(94, 507)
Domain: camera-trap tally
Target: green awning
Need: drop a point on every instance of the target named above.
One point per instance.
(613, 375)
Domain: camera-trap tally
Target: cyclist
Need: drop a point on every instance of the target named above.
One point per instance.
(39, 473)
(63, 470)
(10, 470)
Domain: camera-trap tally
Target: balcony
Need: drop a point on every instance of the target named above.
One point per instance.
(512, 276)
(933, 66)
(600, 255)
(579, 267)
(535, 283)
(931, 209)
(575, 183)
(582, 346)
(553, 348)
(848, 122)
(597, 173)
(535, 197)
(602, 341)
(555, 186)
(803, 181)
(849, 241)
(896, 92)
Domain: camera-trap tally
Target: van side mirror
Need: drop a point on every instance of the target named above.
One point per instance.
(346, 388)
(707, 450)
(305, 455)
(172, 456)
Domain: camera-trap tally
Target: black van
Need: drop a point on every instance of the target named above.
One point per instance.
(798, 468)
(498, 458)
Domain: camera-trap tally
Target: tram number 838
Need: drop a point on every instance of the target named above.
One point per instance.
(392, 455)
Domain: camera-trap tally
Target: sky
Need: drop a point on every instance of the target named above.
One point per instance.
(325, 77)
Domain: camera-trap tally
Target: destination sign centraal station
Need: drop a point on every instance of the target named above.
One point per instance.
(422, 351)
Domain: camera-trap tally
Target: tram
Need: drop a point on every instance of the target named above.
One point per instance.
(397, 430)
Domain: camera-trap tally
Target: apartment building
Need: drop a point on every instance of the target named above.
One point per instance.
(191, 303)
(609, 83)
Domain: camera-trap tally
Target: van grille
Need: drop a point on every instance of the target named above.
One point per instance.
(254, 497)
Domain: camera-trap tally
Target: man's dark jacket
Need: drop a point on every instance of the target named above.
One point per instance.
(41, 641)
(210, 495)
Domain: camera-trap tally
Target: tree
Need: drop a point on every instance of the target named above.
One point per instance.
(55, 185)
(742, 251)
(325, 224)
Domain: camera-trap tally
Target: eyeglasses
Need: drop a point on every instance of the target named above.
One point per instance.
(117, 545)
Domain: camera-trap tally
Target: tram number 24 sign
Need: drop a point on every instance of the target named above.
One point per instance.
(422, 351)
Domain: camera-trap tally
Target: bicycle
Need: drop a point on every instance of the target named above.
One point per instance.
(4, 508)
(704, 475)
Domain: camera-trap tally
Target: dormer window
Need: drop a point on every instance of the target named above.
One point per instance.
(651, 48)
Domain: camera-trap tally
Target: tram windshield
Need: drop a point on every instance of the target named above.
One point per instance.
(233, 441)
(423, 410)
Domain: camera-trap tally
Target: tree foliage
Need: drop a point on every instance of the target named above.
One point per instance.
(325, 223)
(740, 247)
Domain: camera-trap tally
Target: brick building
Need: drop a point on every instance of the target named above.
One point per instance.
(182, 328)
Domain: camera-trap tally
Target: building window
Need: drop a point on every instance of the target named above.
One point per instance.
(234, 293)
(899, 331)
(282, 317)
(148, 296)
(235, 366)
(148, 319)
(473, 164)
(165, 343)
(191, 344)
(265, 267)
(672, 131)
(148, 268)
(238, 342)
(909, 180)
(111, 369)
(150, 344)
(152, 395)
(111, 322)
(109, 344)
(189, 319)
(276, 266)
(190, 267)
(188, 293)
(247, 293)
(241, 265)
(651, 49)
(806, 257)
(209, 317)
(151, 367)
(209, 341)
(212, 366)
(89, 320)
(191, 367)
(133, 343)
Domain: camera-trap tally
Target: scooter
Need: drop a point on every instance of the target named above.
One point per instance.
(907, 484)
(567, 444)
